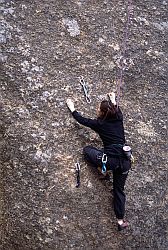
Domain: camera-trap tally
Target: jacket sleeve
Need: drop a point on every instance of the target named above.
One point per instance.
(119, 114)
(91, 123)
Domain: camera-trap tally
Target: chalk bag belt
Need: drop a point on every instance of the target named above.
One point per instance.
(104, 161)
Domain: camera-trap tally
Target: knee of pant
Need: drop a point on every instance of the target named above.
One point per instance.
(86, 150)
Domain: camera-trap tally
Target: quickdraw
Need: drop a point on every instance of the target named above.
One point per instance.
(77, 166)
(104, 161)
(85, 89)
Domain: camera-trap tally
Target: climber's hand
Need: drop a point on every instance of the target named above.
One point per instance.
(112, 97)
(70, 105)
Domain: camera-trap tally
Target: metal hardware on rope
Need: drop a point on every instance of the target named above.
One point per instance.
(125, 38)
(104, 161)
(77, 166)
(85, 89)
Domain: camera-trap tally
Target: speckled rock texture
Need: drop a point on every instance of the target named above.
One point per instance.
(46, 45)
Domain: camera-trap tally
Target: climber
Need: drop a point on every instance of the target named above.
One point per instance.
(109, 126)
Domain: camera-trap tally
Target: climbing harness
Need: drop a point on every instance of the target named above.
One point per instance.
(85, 89)
(77, 165)
(104, 161)
(124, 45)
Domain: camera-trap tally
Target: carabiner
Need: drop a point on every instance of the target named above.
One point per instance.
(77, 165)
(104, 158)
(104, 161)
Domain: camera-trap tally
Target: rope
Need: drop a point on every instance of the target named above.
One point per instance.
(125, 39)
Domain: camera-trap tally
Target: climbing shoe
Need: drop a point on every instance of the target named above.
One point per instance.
(122, 226)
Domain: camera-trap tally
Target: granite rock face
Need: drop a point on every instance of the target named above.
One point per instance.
(45, 47)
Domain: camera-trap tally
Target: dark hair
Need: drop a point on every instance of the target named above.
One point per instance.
(107, 110)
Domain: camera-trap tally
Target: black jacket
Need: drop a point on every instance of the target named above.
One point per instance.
(111, 131)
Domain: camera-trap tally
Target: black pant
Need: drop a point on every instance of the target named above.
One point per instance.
(120, 168)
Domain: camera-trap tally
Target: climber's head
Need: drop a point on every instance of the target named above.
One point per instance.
(106, 110)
